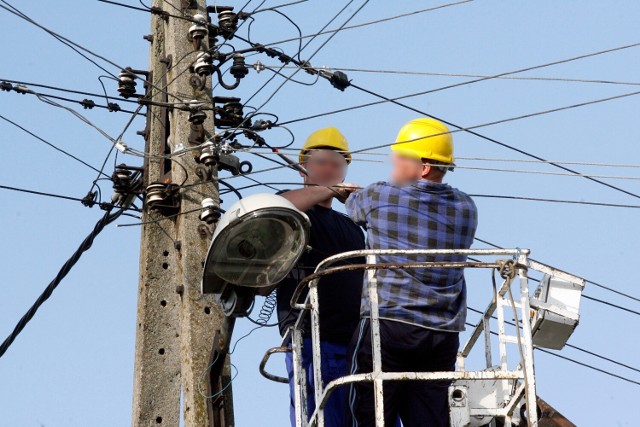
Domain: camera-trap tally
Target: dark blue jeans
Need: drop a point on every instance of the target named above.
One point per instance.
(334, 365)
(405, 348)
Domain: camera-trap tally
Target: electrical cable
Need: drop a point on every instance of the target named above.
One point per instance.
(510, 147)
(535, 199)
(353, 15)
(522, 70)
(86, 245)
(568, 359)
(87, 104)
(288, 19)
(303, 47)
(281, 5)
(74, 91)
(40, 193)
(575, 347)
(71, 44)
(619, 307)
(493, 245)
(484, 76)
(231, 188)
(577, 362)
(112, 148)
(77, 47)
(262, 184)
(364, 24)
(66, 153)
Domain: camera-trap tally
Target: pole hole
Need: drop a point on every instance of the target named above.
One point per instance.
(161, 351)
(207, 310)
(165, 265)
(159, 420)
(165, 253)
(163, 303)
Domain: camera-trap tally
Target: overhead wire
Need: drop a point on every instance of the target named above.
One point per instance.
(505, 145)
(69, 43)
(40, 193)
(112, 148)
(574, 347)
(569, 359)
(76, 47)
(282, 5)
(60, 89)
(287, 79)
(87, 104)
(66, 268)
(299, 51)
(484, 76)
(586, 365)
(537, 199)
(46, 100)
(508, 73)
(55, 147)
(364, 24)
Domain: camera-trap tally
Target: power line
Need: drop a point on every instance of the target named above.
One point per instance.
(66, 153)
(535, 199)
(493, 159)
(76, 47)
(364, 24)
(299, 51)
(87, 104)
(56, 88)
(508, 73)
(82, 118)
(619, 307)
(66, 268)
(575, 347)
(535, 172)
(71, 44)
(612, 290)
(112, 148)
(493, 245)
(40, 193)
(281, 6)
(510, 147)
(577, 362)
(483, 76)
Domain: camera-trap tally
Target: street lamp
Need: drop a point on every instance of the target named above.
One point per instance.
(256, 243)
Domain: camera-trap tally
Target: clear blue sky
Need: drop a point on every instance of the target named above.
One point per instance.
(73, 364)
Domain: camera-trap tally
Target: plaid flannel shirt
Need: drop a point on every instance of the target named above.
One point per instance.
(424, 215)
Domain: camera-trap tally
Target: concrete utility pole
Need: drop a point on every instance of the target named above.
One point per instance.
(176, 323)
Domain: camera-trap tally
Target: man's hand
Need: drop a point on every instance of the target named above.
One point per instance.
(343, 190)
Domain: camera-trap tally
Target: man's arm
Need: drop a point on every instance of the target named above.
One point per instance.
(306, 198)
(357, 205)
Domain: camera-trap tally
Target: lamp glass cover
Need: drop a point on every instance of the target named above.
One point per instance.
(259, 250)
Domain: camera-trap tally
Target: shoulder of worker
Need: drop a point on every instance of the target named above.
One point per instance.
(376, 187)
(462, 196)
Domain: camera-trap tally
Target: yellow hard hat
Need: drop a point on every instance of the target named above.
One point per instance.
(426, 139)
(330, 138)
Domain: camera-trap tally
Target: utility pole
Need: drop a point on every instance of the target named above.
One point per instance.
(176, 323)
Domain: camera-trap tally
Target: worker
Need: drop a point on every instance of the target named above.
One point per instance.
(326, 157)
(421, 310)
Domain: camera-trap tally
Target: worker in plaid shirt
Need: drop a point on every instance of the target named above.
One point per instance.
(421, 310)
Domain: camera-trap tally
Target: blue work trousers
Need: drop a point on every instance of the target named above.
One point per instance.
(334, 365)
